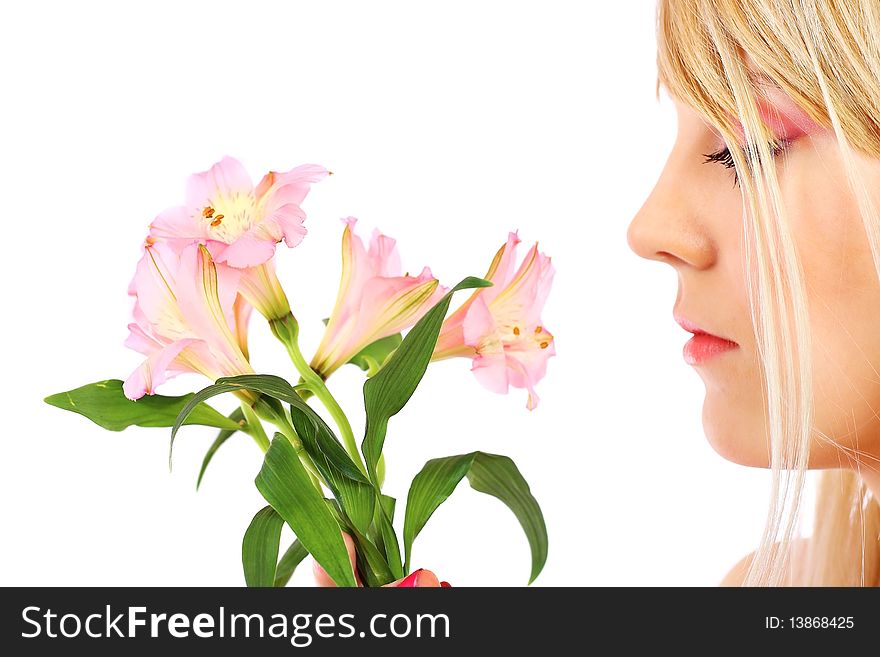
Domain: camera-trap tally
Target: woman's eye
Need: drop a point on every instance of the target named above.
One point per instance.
(724, 157)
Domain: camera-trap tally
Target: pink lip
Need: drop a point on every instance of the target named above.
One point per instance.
(704, 345)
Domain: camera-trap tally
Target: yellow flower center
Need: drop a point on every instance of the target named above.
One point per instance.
(229, 216)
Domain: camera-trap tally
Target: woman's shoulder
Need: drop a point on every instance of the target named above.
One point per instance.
(737, 575)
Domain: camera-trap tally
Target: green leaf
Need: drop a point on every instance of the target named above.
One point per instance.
(273, 386)
(371, 358)
(498, 476)
(487, 473)
(371, 562)
(259, 548)
(428, 490)
(391, 545)
(291, 559)
(106, 405)
(285, 484)
(322, 442)
(375, 533)
(236, 416)
(382, 534)
(348, 485)
(388, 392)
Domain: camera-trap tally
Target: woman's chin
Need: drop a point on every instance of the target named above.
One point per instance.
(733, 433)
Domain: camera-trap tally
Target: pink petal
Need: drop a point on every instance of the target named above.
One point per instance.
(227, 287)
(501, 270)
(356, 265)
(242, 315)
(140, 341)
(532, 402)
(527, 364)
(383, 256)
(380, 308)
(205, 293)
(491, 371)
(262, 289)
(478, 323)
(184, 300)
(303, 175)
(529, 288)
(216, 249)
(390, 305)
(520, 377)
(355, 274)
(265, 185)
(290, 219)
(151, 284)
(153, 371)
(291, 186)
(177, 226)
(226, 178)
(249, 250)
(533, 360)
(545, 274)
(347, 300)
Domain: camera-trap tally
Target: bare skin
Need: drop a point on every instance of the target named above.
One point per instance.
(692, 221)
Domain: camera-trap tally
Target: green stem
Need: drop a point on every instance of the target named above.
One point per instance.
(265, 411)
(255, 427)
(315, 481)
(286, 330)
(307, 461)
(339, 417)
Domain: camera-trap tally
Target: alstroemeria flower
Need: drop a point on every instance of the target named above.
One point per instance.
(500, 327)
(262, 290)
(374, 300)
(188, 317)
(238, 223)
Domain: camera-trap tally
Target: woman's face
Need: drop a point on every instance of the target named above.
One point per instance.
(692, 220)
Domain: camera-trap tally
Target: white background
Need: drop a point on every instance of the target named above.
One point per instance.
(446, 125)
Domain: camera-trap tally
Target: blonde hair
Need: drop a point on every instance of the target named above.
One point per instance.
(824, 55)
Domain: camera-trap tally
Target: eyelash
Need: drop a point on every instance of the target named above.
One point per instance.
(724, 157)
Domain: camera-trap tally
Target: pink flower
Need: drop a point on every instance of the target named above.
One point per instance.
(239, 224)
(374, 300)
(500, 327)
(188, 317)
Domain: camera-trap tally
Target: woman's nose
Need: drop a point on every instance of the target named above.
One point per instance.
(668, 227)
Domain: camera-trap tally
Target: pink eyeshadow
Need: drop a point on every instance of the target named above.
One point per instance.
(783, 116)
(787, 120)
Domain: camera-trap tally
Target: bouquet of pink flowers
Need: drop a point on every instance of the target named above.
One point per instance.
(208, 263)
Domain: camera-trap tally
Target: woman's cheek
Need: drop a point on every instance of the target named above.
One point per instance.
(840, 284)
